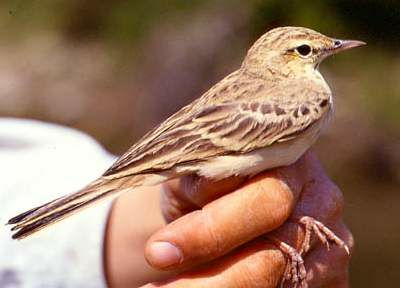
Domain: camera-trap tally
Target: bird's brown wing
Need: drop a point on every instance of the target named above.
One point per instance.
(207, 129)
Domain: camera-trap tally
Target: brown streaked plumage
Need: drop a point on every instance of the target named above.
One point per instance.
(264, 115)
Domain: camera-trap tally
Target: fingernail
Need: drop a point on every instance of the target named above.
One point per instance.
(164, 254)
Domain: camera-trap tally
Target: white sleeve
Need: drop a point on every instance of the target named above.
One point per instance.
(39, 162)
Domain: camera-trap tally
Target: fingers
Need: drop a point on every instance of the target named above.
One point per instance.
(259, 264)
(257, 207)
(253, 209)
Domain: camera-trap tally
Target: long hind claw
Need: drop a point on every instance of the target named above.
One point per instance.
(324, 234)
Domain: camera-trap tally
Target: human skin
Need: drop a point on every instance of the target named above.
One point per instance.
(221, 232)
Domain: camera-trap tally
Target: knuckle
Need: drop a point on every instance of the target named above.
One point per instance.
(279, 196)
(214, 237)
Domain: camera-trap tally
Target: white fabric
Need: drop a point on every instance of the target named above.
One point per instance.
(39, 162)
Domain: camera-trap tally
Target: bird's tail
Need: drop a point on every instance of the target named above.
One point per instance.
(40, 217)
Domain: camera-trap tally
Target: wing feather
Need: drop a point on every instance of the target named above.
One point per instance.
(207, 128)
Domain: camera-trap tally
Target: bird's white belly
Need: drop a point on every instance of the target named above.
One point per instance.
(254, 162)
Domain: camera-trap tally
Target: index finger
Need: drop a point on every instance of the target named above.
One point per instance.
(257, 207)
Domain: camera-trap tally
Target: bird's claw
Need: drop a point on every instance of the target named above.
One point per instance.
(324, 234)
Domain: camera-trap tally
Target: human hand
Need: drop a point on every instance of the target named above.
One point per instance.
(224, 243)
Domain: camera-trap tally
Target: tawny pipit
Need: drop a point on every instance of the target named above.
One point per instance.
(264, 115)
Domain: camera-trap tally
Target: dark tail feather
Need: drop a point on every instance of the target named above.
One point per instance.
(28, 229)
(38, 218)
(22, 216)
(57, 203)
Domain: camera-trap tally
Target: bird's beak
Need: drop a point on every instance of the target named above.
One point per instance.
(342, 45)
(338, 46)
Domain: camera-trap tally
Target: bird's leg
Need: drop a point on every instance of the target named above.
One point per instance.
(295, 271)
(324, 234)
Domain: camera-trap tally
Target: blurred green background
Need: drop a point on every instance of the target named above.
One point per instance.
(116, 68)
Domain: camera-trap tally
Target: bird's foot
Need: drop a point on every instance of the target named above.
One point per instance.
(325, 235)
(295, 271)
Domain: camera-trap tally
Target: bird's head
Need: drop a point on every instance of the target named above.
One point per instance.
(293, 51)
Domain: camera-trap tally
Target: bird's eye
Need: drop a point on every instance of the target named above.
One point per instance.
(337, 43)
(303, 50)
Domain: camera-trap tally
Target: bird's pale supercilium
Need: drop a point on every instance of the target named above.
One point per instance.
(264, 115)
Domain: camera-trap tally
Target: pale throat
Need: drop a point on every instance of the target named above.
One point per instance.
(312, 73)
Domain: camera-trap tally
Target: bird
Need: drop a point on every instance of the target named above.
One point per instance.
(264, 115)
